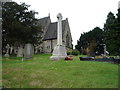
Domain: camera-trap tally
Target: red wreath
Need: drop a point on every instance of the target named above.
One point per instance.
(67, 58)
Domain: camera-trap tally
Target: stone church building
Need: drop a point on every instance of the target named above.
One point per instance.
(49, 35)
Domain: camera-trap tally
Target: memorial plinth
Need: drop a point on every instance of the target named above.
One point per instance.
(59, 51)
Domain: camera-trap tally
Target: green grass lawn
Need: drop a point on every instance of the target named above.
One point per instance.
(40, 72)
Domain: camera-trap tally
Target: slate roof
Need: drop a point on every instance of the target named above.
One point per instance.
(52, 31)
(42, 21)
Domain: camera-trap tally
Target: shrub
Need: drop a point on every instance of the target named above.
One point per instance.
(75, 52)
(69, 52)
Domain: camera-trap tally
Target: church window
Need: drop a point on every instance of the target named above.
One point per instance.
(48, 47)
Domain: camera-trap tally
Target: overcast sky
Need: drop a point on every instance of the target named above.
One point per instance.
(83, 15)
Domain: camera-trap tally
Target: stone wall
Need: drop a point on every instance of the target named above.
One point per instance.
(54, 43)
(49, 45)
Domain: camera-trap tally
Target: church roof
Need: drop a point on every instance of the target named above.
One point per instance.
(42, 21)
(52, 31)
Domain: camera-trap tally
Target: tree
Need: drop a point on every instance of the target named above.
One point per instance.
(118, 32)
(19, 25)
(90, 42)
(111, 29)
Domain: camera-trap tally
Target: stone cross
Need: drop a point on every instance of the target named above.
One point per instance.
(8, 47)
(59, 52)
(59, 28)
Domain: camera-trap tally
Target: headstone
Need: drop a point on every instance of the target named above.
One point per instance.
(20, 52)
(7, 52)
(104, 50)
(59, 51)
(28, 51)
(11, 49)
(6, 55)
(36, 49)
(15, 50)
(32, 50)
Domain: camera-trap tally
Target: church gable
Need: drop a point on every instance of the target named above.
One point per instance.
(44, 23)
(67, 36)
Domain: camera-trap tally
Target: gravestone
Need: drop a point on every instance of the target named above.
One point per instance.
(36, 49)
(20, 52)
(11, 49)
(7, 52)
(15, 50)
(59, 51)
(28, 51)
